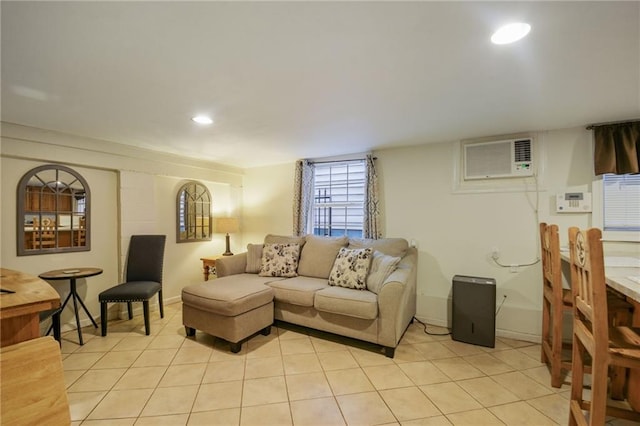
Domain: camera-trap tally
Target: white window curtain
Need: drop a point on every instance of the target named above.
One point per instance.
(302, 196)
(371, 226)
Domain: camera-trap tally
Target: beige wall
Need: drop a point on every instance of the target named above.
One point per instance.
(267, 202)
(182, 261)
(133, 192)
(455, 231)
(104, 242)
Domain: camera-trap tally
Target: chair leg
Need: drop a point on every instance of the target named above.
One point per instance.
(599, 377)
(618, 380)
(577, 383)
(130, 310)
(145, 307)
(55, 319)
(103, 318)
(545, 330)
(619, 374)
(556, 347)
(161, 304)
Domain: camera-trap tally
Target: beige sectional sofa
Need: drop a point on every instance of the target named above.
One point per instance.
(379, 313)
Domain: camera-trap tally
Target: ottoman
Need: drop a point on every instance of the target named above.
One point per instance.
(232, 308)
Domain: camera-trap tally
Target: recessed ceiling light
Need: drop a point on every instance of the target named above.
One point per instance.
(202, 119)
(510, 33)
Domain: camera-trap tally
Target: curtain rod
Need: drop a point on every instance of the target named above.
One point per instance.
(339, 161)
(591, 126)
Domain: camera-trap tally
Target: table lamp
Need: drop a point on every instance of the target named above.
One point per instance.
(227, 225)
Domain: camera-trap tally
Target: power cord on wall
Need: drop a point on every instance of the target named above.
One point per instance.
(536, 207)
(428, 332)
(504, 297)
(495, 258)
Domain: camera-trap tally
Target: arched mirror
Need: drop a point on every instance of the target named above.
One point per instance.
(53, 211)
(193, 213)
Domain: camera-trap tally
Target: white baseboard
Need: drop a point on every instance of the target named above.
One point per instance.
(512, 322)
(509, 334)
(119, 313)
(137, 307)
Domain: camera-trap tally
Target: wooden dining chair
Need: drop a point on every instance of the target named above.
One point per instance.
(557, 300)
(44, 234)
(607, 345)
(81, 233)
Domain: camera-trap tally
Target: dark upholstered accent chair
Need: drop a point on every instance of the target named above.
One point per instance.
(143, 278)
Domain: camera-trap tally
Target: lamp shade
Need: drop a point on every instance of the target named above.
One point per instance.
(227, 225)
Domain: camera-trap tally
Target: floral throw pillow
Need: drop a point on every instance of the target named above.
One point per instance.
(280, 260)
(350, 268)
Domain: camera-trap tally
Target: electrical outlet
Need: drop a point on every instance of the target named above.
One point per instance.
(495, 253)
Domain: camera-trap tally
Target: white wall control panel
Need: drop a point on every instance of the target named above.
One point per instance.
(573, 202)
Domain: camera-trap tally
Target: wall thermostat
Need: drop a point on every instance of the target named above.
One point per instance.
(573, 202)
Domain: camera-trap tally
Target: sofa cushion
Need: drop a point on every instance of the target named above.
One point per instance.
(396, 247)
(351, 267)
(254, 258)
(381, 267)
(279, 260)
(346, 301)
(318, 255)
(284, 239)
(298, 290)
(229, 296)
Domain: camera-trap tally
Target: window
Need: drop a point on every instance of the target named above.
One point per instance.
(621, 202)
(338, 201)
(193, 213)
(53, 211)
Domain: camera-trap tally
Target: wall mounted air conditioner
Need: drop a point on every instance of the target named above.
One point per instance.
(498, 159)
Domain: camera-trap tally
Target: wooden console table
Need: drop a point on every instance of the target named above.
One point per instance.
(209, 266)
(20, 307)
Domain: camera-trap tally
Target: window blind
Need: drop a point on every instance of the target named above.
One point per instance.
(621, 194)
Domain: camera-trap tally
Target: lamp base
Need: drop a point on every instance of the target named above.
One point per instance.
(228, 250)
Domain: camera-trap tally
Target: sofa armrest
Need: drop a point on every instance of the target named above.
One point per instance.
(231, 265)
(397, 300)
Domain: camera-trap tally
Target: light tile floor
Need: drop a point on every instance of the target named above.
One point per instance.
(298, 376)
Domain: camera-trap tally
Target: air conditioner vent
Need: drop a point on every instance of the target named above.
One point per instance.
(522, 150)
(498, 159)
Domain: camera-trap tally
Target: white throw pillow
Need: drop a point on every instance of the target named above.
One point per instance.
(280, 260)
(350, 268)
(254, 258)
(381, 267)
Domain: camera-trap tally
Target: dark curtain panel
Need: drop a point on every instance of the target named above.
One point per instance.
(617, 148)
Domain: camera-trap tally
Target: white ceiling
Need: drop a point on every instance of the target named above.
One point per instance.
(289, 80)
